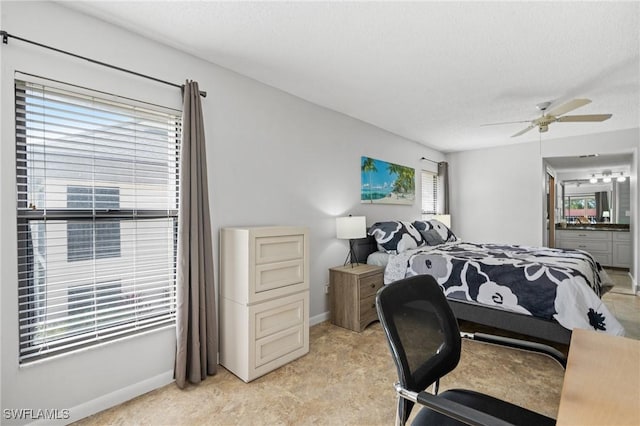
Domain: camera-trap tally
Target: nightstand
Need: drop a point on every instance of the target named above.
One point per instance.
(352, 292)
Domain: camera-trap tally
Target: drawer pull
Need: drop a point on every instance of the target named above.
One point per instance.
(373, 286)
(581, 246)
(373, 306)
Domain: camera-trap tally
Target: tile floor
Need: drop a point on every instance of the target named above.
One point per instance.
(347, 377)
(623, 303)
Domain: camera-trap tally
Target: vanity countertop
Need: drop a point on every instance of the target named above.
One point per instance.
(594, 228)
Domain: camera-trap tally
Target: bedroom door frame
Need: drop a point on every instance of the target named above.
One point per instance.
(551, 210)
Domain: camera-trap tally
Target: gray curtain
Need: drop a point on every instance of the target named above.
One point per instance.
(443, 178)
(196, 328)
(602, 204)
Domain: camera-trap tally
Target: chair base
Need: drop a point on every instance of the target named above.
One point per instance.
(501, 409)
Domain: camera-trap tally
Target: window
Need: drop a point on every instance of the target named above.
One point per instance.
(97, 185)
(83, 300)
(429, 192)
(576, 206)
(83, 237)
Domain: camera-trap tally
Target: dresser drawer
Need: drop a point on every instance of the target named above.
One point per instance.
(277, 315)
(279, 345)
(278, 248)
(276, 275)
(280, 331)
(370, 285)
(583, 235)
(588, 245)
(621, 236)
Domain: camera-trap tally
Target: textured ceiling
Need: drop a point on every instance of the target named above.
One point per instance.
(589, 165)
(433, 72)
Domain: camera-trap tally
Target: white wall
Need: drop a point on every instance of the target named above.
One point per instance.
(498, 193)
(280, 161)
(492, 194)
(273, 159)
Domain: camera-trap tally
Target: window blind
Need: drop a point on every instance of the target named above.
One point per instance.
(97, 187)
(429, 192)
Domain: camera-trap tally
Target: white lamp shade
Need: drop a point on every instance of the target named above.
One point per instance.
(351, 227)
(606, 213)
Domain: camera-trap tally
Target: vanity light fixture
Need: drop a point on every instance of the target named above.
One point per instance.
(593, 179)
(621, 178)
(606, 177)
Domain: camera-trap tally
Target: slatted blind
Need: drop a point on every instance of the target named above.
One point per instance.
(429, 192)
(97, 186)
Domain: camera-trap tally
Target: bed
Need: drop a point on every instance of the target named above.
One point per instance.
(536, 291)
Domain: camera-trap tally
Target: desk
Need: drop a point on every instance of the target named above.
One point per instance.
(602, 381)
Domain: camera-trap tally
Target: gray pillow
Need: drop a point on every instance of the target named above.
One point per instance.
(432, 237)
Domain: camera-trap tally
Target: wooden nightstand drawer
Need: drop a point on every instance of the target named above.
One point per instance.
(368, 312)
(353, 295)
(370, 285)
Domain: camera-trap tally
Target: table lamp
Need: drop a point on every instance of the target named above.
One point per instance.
(350, 228)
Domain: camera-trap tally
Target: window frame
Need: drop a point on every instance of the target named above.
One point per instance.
(435, 191)
(28, 213)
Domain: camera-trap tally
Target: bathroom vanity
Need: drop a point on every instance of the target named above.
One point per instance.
(611, 246)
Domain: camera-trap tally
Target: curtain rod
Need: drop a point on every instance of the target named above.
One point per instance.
(5, 35)
(434, 162)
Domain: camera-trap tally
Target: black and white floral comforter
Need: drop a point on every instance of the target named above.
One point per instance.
(559, 284)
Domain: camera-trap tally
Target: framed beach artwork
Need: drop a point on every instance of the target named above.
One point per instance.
(386, 183)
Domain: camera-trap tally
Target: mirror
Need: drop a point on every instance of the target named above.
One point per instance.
(592, 189)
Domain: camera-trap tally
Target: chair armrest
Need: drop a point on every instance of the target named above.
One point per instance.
(458, 411)
(519, 344)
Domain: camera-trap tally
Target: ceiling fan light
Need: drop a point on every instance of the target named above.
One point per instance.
(593, 179)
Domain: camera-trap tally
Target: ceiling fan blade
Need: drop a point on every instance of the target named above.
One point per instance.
(523, 131)
(588, 117)
(505, 122)
(569, 106)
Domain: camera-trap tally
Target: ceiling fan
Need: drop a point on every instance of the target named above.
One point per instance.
(557, 115)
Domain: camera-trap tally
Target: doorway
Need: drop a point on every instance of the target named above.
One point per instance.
(551, 210)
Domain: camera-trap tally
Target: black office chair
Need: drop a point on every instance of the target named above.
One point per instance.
(425, 342)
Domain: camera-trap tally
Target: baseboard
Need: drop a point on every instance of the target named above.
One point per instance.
(317, 319)
(110, 400)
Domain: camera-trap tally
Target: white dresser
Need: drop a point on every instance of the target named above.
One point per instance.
(610, 248)
(264, 303)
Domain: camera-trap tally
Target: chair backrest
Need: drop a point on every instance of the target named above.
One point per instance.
(421, 329)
